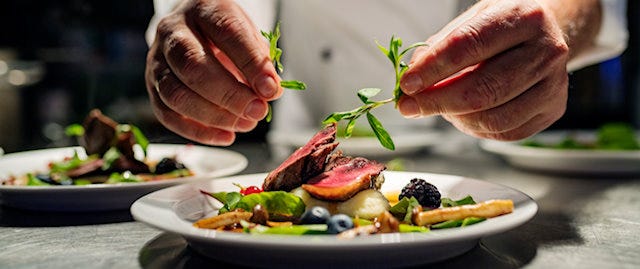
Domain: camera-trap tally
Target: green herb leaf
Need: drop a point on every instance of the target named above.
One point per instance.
(125, 177)
(74, 130)
(141, 139)
(228, 199)
(269, 113)
(348, 130)
(274, 52)
(448, 202)
(66, 165)
(447, 224)
(402, 209)
(35, 181)
(366, 94)
(109, 157)
(281, 205)
(407, 228)
(381, 133)
(471, 220)
(293, 85)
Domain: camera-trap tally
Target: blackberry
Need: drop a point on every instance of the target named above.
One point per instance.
(426, 193)
(167, 165)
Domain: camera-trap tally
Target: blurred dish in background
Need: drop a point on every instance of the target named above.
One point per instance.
(205, 162)
(567, 152)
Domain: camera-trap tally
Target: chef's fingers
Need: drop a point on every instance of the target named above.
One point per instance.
(489, 84)
(181, 125)
(534, 110)
(229, 28)
(177, 97)
(197, 68)
(492, 30)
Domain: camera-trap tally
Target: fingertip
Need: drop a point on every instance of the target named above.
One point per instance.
(221, 138)
(244, 125)
(256, 110)
(411, 83)
(408, 107)
(266, 86)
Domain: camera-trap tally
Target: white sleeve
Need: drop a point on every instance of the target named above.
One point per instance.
(262, 12)
(612, 39)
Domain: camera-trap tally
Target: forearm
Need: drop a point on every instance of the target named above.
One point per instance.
(580, 21)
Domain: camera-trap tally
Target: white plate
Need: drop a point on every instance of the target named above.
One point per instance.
(205, 162)
(407, 141)
(174, 210)
(566, 161)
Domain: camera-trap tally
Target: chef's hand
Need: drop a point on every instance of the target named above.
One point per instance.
(208, 72)
(498, 71)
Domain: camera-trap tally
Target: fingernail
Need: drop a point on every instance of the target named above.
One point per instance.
(411, 83)
(244, 125)
(266, 86)
(409, 108)
(256, 110)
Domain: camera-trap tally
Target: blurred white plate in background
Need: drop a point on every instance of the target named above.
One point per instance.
(205, 162)
(565, 161)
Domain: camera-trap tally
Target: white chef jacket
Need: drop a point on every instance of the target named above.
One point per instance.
(330, 45)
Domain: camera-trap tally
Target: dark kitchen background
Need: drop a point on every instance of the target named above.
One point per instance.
(60, 59)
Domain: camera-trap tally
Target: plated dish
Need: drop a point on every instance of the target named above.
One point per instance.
(175, 209)
(204, 162)
(564, 160)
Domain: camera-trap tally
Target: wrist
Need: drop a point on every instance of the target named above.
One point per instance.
(579, 21)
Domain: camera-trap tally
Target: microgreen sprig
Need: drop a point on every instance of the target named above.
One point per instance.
(395, 56)
(275, 54)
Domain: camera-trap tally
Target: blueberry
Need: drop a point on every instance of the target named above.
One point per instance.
(339, 223)
(315, 215)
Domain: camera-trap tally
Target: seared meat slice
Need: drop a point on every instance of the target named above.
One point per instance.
(99, 132)
(306, 162)
(99, 135)
(87, 169)
(344, 177)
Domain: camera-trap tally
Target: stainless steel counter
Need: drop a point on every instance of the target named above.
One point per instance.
(583, 222)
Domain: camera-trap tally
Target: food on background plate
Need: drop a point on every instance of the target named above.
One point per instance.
(610, 136)
(319, 191)
(111, 158)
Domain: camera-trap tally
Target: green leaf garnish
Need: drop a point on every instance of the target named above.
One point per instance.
(35, 181)
(366, 94)
(448, 202)
(281, 205)
(381, 133)
(275, 54)
(109, 157)
(126, 177)
(293, 85)
(74, 130)
(66, 165)
(395, 56)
